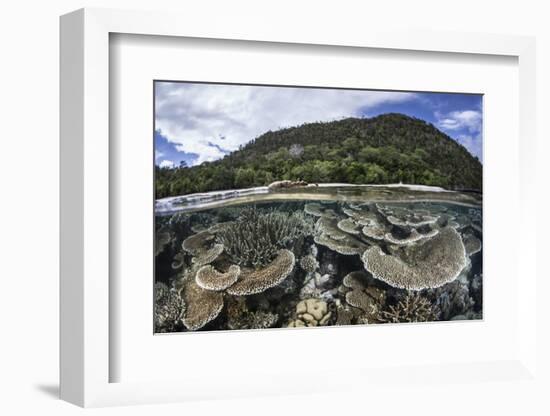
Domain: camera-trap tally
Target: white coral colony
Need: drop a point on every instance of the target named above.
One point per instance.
(431, 264)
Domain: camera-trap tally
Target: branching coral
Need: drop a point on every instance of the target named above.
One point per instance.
(256, 237)
(256, 281)
(240, 317)
(169, 308)
(428, 264)
(413, 308)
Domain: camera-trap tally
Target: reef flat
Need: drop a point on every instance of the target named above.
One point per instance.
(315, 256)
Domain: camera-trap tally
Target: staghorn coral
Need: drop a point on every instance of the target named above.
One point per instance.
(202, 306)
(256, 281)
(311, 312)
(413, 308)
(209, 278)
(256, 237)
(169, 308)
(429, 264)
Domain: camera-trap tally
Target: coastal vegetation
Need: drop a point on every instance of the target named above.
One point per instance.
(389, 148)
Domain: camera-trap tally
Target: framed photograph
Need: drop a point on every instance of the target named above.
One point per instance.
(360, 212)
(232, 204)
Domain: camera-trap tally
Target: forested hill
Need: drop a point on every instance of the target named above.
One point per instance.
(390, 148)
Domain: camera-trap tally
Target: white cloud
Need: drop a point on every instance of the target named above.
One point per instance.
(158, 154)
(458, 120)
(465, 126)
(167, 164)
(472, 143)
(202, 118)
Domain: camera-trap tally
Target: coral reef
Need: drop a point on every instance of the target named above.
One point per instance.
(309, 263)
(169, 308)
(209, 278)
(413, 308)
(253, 281)
(162, 239)
(240, 317)
(202, 306)
(431, 264)
(358, 263)
(369, 299)
(256, 237)
(311, 312)
(472, 244)
(207, 256)
(453, 299)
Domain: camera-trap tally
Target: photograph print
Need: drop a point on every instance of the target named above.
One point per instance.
(298, 207)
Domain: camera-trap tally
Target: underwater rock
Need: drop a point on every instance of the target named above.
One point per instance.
(209, 278)
(169, 308)
(286, 184)
(256, 281)
(202, 306)
(413, 308)
(429, 264)
(311, 312)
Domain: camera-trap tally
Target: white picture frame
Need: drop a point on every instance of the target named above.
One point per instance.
(85, 207)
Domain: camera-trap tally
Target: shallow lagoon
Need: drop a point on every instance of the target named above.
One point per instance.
(317, 256)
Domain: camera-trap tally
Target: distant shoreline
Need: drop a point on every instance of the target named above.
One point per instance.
(321, 191)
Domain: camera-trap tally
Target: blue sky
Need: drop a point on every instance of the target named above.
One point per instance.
(197, 122)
